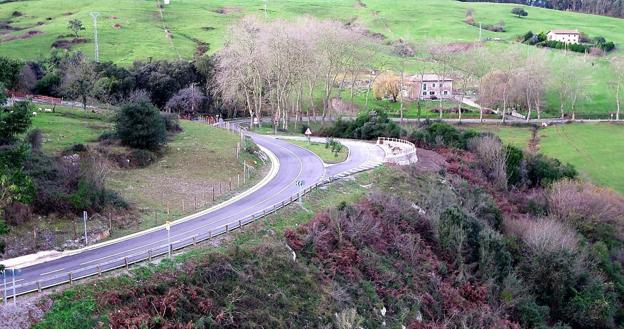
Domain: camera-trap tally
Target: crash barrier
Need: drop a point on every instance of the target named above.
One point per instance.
(167, 247)
(398, 151)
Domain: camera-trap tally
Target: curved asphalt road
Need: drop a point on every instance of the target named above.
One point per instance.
(295, 164)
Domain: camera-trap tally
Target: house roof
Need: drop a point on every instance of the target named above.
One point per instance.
(565, 32)
(428, 77)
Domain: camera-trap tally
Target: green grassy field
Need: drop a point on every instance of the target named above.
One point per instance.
(594, 149)
(139, 31)
(324, 153)
(67, 127)
(181, 182)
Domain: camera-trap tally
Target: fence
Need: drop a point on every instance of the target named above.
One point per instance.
(158, 251)
(398, 155)
(163, 249)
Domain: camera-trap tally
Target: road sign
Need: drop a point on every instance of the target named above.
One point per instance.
(300, 183)
(168, 225)
(308, 132)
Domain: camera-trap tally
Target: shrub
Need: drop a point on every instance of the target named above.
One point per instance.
(140, 125)
(35, 139)
(366, 126)
(514, 165)
(593, 306)
(459, 234)
(443, 134)
(492, 158)
(17, 213)
(494, 259)
(542, 170)
(548, 236)
(172, 122)
(520, 12)
(595, 211)
(141, 158)
(14, 121)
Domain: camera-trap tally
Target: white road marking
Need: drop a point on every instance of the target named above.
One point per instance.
(46, 273)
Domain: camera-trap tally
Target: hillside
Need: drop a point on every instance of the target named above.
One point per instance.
(139, 32)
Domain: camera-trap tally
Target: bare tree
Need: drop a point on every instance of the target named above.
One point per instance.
(79, 78)
(478, 67)
(530, 84)
(188, 101)
(569, 81)
(617, 83)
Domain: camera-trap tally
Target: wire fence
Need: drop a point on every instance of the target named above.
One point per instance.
(165, 248)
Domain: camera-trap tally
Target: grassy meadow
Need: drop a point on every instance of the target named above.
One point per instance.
(323, 152)
(595, 150)
(135, 30)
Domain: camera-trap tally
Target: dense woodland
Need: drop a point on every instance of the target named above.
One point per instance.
(613, 8)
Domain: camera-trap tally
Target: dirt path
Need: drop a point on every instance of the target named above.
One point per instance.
(168, 34)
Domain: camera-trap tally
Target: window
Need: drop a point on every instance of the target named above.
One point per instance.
(424, 86)
(432, 93)
(434, 85)
(424, 93)
(446, 92)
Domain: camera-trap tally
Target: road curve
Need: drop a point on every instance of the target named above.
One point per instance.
(295, 164)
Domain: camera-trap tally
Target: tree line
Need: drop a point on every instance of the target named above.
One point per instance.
(597, 7)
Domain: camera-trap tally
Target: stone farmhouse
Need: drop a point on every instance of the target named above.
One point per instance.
(428, 86)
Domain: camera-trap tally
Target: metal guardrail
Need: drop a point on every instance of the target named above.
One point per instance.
(150, 254)
(406, 156)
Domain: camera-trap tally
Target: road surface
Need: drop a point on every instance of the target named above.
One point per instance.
(295, 165)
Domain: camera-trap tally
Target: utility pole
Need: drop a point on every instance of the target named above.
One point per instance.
(95, 15)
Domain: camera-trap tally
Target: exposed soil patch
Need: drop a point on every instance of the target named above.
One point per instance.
(228, 10)
(23, 36)
(67, 44)
(69, 13)
(17, 14)
(114, 17)
(534, 141)
(429, 161)
(355, 26)
(6, 27)
(117, 26)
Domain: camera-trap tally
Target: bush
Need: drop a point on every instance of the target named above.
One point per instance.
(494, 259)
(140, 125)
(366, 126)
(514, 164)
(172, 122)
(141, 158)
(35, 139)
(459, 234)
(492, 159)
(542, 170)
(14, 121)
(443, 134)
(596, 212)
